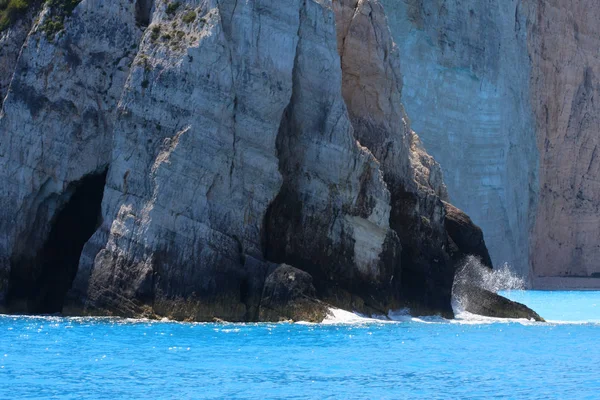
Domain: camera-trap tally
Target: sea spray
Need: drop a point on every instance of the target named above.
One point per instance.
(473, 272)
(475, 287)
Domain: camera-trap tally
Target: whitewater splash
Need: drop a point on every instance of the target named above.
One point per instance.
(472, 273)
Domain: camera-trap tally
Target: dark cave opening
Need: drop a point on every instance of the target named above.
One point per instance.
(143, 12)
(41, 286)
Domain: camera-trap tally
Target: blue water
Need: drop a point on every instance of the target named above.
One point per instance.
(560, 306)
(51, 357)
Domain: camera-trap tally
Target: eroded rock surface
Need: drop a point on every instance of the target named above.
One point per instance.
(563, 40)
(289, 294)
(502, 95)
(465, 238)
(372, 89)
(484, 302)
(11, 41)
(466, 74)
(56, 128)
(228, 138)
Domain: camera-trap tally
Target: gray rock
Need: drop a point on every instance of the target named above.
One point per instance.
(233, 139)
(466, 74)
(372, 89)
(56, 127)
(465, 238)
(484, 302)
(289, 294)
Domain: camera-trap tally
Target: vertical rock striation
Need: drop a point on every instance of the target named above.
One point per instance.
(194, 164)
(233, 149)
(249, 159)
(564, 37)
(502, 94)
(466, 89)
(372, 89)
(56, 127)
(331, 217)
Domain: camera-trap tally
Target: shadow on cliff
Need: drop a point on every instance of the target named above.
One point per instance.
(40, 280)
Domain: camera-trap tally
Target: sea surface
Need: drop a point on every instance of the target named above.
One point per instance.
(348, 357)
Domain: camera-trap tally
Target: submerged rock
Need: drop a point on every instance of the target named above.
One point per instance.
(484, 302)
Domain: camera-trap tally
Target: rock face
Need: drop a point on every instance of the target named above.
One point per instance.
(56, 129)
(465, 237)
(11, 41)
(168, 158)
(563, 40)
(502, 95)
(466, 77)
(372, 89)
(222, 138)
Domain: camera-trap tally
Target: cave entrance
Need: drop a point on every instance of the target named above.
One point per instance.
(41, 286)
(143, 12)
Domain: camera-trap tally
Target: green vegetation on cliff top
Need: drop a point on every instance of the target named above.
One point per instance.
(12, 10)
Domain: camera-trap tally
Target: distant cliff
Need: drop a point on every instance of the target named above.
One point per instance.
(504, 96)
(229, 159)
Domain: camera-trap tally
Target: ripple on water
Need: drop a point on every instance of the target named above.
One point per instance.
(361, 358)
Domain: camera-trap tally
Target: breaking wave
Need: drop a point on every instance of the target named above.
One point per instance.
(473, 272)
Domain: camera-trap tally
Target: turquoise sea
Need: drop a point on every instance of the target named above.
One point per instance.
(347, 358)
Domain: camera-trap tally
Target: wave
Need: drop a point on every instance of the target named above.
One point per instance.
(335, 316)
(472, 272)
(342, 317)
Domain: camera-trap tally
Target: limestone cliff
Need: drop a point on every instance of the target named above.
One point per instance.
(466, 89)
(164, 158)
(564, 37)
(56, 130)
(502, 94)
(372, 89)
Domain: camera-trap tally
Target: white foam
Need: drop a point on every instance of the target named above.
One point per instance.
(337, 316)
(467, 318)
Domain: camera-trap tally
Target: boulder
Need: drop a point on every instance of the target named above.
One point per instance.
(289, 294)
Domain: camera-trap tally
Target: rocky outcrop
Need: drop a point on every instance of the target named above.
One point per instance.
(331, 216)
(502, 95)
(465, 238)
(475, 290)
(268, 176)
(372, 89)
(56, 129)
(289, 293)
(484, 302)
(222, 139)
